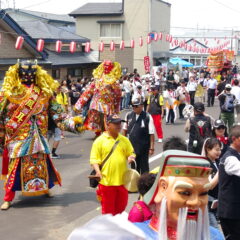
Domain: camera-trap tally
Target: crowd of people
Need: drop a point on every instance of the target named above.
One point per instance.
(195, 181)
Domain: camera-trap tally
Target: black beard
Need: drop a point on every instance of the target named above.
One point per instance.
(28, 82)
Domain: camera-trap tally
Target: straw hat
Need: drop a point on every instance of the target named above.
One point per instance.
(130, 179)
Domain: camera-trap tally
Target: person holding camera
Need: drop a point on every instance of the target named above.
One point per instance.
(226, 100)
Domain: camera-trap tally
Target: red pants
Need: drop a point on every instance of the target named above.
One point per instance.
(113, 199)
(157, 119)
(9, 195)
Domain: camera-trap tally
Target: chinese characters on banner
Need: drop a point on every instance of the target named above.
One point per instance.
(147, 64)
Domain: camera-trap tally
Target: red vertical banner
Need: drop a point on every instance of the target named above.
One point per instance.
(132, 44)
(147, 64)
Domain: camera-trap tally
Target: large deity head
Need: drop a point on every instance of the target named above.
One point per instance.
(107, 72)
(180, 196)
(27, 73)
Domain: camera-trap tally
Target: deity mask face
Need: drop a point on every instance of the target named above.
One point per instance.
(107, 66)
(27, 72)
(183, 192)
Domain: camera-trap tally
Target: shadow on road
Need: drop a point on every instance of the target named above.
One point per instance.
(62, 200)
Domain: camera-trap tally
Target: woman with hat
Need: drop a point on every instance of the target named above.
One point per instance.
(220, 132)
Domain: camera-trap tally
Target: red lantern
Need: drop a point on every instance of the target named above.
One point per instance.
(160, 36)
(112, 46)
(176, 42)
(40, 45)
(58, 46)
(149, 39)
(101, 46)
(132, 44)
(72, 47)
(155, 36)
(19, 42)
(122, 45)
(169, 38)
(87, 47)
(140, 41)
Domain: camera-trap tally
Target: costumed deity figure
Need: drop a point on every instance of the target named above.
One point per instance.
(26, 101)
(180, 197)
(104, 94)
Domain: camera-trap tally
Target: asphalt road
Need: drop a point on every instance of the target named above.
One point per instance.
(42, 218)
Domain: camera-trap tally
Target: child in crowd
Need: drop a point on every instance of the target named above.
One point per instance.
(141, 212)
(212, 150)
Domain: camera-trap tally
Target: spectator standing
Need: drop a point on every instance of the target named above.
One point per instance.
(229, 190)
(155, 108)
(74, 95)
(236, 92)
(191, 88)
(220, 132)
(221, 85)
(211, 86)
(69, 81)
(185, 75)
(55, 133)
(199, 128)
(170, 79)
(212, 151)
(140, 129)
(141, 212)
(181, 94)
(127, 87)
(62, 98)
(226, 100)
(111, 191)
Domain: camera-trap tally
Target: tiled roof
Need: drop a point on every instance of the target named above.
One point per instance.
(43, 15)
(99, 9)
(39, 29)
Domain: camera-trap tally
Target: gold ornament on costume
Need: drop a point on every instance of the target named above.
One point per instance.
(110, 78)
(14, 89)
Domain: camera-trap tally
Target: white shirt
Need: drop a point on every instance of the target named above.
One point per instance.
(192, 86)
(232, 166)
(236, 92)
(127, 86)
(212, 83)
(151, 126)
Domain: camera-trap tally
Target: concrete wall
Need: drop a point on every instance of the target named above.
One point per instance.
(7, 47)
(124, 57)
(136, 24)
(160, 22)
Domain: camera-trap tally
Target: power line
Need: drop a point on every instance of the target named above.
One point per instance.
(226, 6)
(35, 5)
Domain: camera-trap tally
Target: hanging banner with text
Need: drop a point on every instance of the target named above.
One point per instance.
(147, 64)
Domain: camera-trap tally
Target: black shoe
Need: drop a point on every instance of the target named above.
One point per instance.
(54, 155)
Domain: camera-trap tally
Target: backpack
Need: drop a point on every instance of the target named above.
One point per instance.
(228, 105)
(202, 130)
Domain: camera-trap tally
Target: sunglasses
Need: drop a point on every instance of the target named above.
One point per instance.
(135, 106)
(221, 127)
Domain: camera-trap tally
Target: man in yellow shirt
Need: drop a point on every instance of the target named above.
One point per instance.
(111, 191)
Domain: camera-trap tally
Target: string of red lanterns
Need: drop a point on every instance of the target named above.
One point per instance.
(174, 42)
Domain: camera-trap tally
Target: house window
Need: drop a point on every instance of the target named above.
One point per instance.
(75, 72)
(56, 73)
(113, 30)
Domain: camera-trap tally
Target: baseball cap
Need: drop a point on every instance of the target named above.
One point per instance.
(114, 119)
(199, 107)
(228, 86)
(137, 101)
(218, 123)
(154, 87)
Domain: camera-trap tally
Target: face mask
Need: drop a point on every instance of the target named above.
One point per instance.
(27, 72)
